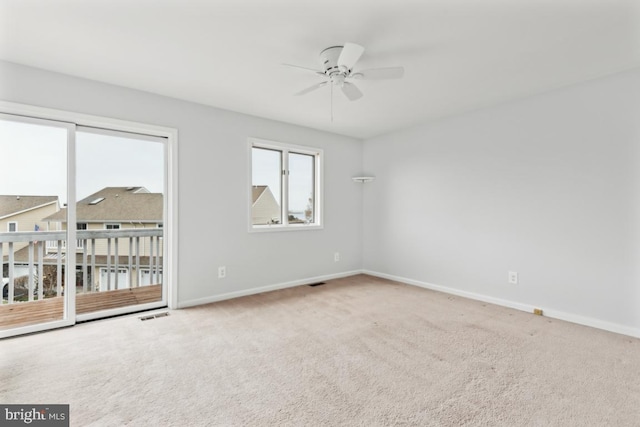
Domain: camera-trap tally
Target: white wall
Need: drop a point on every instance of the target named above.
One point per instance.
(213, 185)
(547, 186)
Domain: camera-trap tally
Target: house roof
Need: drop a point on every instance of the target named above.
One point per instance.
(116, 204)
(11, 205)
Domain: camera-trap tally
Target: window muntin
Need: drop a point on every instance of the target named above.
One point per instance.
(285, 186)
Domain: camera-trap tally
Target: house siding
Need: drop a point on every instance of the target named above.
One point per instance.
(265, 209)
(123, 243)
(27, 221)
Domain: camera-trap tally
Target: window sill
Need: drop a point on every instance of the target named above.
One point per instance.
(278, 228)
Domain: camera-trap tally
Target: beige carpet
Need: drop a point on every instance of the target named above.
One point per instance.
(358, 351)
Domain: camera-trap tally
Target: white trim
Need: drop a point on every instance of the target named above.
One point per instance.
(119, 311)
(70, 261)
(268, 288)
(170, 222)
(27, 210)
(278, 145)
(551, 313)
(82, 119)
(9, 226)
(120, 134)
(29, 329)
(267, 228)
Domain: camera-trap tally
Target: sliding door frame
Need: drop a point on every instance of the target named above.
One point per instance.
(69, 308)
(71, 120)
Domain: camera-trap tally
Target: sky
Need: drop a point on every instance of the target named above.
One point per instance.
(266, 167)
(33, 162)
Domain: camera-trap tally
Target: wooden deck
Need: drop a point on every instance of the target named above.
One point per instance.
(50, 309)
(94, 301)
(31, 313)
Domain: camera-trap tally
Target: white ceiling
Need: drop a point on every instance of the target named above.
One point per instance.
(458, 55)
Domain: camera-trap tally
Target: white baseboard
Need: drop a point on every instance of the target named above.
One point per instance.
(253, 291)
(554, 314)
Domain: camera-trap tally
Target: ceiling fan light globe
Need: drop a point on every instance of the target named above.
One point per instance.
(338, 80)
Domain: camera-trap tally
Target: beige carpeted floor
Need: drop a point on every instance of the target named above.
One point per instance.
(358, 351)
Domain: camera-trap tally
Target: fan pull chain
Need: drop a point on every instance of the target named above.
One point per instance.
(331, 84)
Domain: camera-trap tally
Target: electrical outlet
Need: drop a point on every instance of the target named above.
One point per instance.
(336, 257)
(513, 277)
(222, 272)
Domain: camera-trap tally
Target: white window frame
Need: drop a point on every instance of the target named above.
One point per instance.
(318, 201)
(15, 223)
(113, 225)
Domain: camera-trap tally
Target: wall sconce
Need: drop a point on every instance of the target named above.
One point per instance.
(363, 178)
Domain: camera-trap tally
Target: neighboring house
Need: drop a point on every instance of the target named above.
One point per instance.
(112, 208)
(22, 213)
(25, 213)
(264, 209)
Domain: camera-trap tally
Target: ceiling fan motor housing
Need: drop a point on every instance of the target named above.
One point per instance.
(329, 60)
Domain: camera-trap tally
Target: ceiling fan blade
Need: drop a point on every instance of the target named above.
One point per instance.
(380, 73)
(351, 91)
(304, 68)
(350, 54)
(311, 88)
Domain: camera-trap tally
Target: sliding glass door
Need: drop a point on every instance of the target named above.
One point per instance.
(120, 182)
(34, 169)
(82, 214)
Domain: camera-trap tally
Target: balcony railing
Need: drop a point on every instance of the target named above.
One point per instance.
(53, 246)
(33, 266)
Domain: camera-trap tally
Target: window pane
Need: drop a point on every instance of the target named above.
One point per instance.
(120, 185)
(301, 188)
(266, 178)
(33, 187)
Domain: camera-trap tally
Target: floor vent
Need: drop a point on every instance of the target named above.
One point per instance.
(154, 316)
(317, 284)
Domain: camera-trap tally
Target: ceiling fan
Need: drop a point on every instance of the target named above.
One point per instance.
(337, 67)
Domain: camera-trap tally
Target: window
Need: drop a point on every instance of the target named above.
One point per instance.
(96, 201)
(12, 227)
(285, 188)
(80, 242)
(112, 226)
